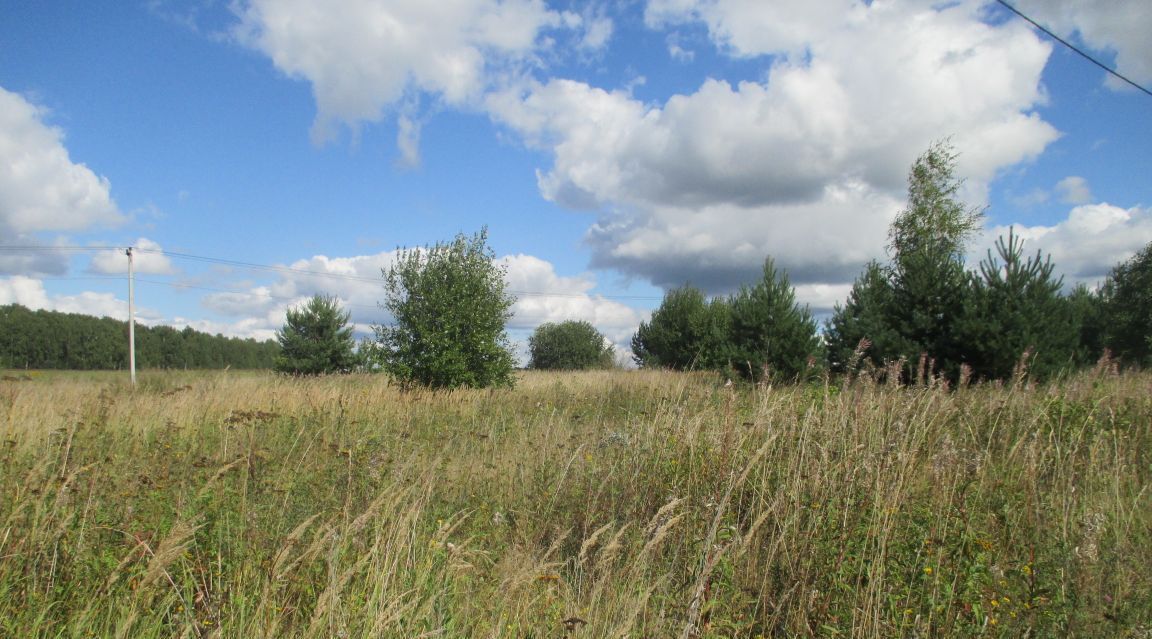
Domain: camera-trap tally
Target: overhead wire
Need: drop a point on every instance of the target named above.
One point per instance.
(299, 271)
(249, 293)
(1073, 47)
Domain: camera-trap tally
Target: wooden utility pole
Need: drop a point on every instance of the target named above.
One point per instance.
(131, 319)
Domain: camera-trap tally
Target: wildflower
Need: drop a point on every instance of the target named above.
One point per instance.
(928, 570)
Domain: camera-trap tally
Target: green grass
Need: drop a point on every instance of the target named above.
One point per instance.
(632, 504)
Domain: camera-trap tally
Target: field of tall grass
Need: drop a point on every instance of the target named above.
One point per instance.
(603, 504)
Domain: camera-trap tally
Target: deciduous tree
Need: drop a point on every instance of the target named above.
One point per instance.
(570, 345)
(930, 283)
(450, 308)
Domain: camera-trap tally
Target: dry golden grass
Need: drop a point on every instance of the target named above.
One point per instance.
(600, 504)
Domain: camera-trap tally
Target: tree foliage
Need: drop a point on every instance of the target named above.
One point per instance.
(570, 345)
(925, 302)
(931, 285)
(862, 324)
(1087, 308)
(450, 309)
(912, 306)
(316, 339)
(1017, 310)
(770, 332)
(935, 224)
(1127, 309)
(53, 340)
(687, 331)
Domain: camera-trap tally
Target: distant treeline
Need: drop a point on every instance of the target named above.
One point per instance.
(54, 340)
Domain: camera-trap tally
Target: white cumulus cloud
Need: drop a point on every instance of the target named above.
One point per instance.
(41, 188)
(1120, 27)
(808, 164)
(367, 57)
(544, 296)
(541, 294)
(1090, 241)
(30, 293)
(1074, 190)
(148, 259)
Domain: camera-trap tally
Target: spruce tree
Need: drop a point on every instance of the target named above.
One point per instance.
(864, 320)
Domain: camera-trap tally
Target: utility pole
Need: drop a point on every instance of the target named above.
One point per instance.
(131, 319)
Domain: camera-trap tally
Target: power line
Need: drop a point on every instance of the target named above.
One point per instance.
(1064, 42)
(361, 278)
(34, 248)
(260, 267)
(295, 271)
(182, 285)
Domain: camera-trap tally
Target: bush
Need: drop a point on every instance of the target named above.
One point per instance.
(570, 345)
(450, 310)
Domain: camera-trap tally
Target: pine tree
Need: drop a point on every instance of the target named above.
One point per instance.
(316, 339)
(1017, 311)
(1127, 309)
(770, 333)
(686, 332)
(864, 321)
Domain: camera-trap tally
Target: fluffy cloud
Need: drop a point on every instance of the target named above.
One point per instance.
(25, 291)
(261, 309)
(147, 260)
(807, 165)
(1074, 190)
(251, 327)
(38, 260)
(1090, 241)
(374, 55)
(542, 296)
(751, 28)
(41, 188)
(30, 292)
(719, 247)
(1119, 26)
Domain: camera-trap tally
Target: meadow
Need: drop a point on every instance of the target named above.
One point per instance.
(603, 504)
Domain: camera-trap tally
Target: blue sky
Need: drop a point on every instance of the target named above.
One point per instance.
(612, 149)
